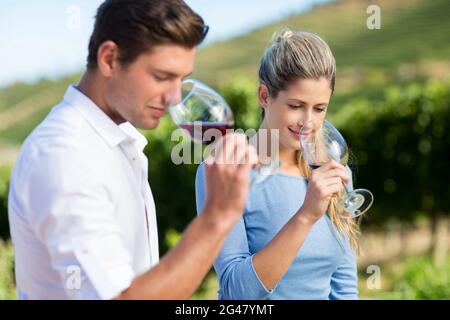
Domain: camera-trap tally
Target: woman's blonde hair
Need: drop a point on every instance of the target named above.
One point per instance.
(304, 55)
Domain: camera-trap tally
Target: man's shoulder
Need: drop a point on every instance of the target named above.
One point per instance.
(62, 122)
(63, 127)
(63, 136)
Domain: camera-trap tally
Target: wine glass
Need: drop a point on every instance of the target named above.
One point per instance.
(205, 116)
(325, 144)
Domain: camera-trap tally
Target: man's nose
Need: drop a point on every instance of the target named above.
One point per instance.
(173, 95)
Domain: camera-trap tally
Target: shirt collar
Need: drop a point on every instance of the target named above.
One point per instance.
(105, 127)
(139, 140)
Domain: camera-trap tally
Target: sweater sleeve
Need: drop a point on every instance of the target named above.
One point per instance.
(344, 280)
(234, 265)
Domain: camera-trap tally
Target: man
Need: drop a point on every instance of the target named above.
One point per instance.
(81, 211)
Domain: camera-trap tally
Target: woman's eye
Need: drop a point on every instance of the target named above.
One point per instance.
(293, 106)
(320, 110)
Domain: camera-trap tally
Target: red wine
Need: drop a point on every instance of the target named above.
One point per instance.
(203, 127)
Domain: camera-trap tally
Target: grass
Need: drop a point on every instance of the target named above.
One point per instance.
(414, 278)
(7, 285)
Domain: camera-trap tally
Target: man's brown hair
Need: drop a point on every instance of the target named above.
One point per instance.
(136, 26)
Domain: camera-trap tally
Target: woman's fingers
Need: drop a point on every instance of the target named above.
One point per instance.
(333, 181)
(333, 190)
(332, 169)
(339, 173)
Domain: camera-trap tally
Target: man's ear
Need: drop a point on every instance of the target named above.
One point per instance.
(107, 58)
(263, 96)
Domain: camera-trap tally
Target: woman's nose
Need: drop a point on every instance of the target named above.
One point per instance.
(305, 121)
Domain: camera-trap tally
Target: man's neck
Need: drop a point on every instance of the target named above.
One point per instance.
(93, 88)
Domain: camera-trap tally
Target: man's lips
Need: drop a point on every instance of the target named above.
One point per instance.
(158, 111)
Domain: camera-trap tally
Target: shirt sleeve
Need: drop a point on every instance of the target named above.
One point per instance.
(72, 212)
(234, 265)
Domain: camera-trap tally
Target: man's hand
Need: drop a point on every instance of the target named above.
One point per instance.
(227, 177)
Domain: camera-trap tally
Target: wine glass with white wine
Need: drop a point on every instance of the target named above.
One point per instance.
(324, 144)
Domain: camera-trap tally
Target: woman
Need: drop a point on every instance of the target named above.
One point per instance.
(293, 241)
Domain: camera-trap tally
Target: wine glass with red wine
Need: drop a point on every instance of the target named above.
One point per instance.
(205, 115)
(324, 144)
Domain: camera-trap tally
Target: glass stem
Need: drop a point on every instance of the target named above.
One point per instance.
(346, 188)
(346, 194)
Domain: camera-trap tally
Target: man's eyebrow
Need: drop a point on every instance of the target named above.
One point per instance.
(301, 101)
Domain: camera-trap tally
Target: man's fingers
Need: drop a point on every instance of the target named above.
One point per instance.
(240, 151)
(252, 156)
(227, 148)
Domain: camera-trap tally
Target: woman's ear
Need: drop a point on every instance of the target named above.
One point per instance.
(263, 96)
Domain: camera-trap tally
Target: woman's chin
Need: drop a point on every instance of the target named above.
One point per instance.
(290, 145)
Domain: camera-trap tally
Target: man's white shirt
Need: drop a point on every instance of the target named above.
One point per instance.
(81, 211)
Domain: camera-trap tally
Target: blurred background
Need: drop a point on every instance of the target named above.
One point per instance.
(392, 104)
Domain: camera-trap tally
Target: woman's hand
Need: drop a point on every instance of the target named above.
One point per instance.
(324, 183)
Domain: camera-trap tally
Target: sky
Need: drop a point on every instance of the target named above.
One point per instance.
(49, 38)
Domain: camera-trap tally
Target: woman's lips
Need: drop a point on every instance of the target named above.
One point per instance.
(299, 134)
(295, 133)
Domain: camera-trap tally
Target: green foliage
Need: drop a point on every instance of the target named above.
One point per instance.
(414, 278)
(7, 284)
(424, 280)
(402, 147)
(241, 95)
(26, 105)
(4, 225)
(16, 134)
(410, 278)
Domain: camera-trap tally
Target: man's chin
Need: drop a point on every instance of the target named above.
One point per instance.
(150, 124)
